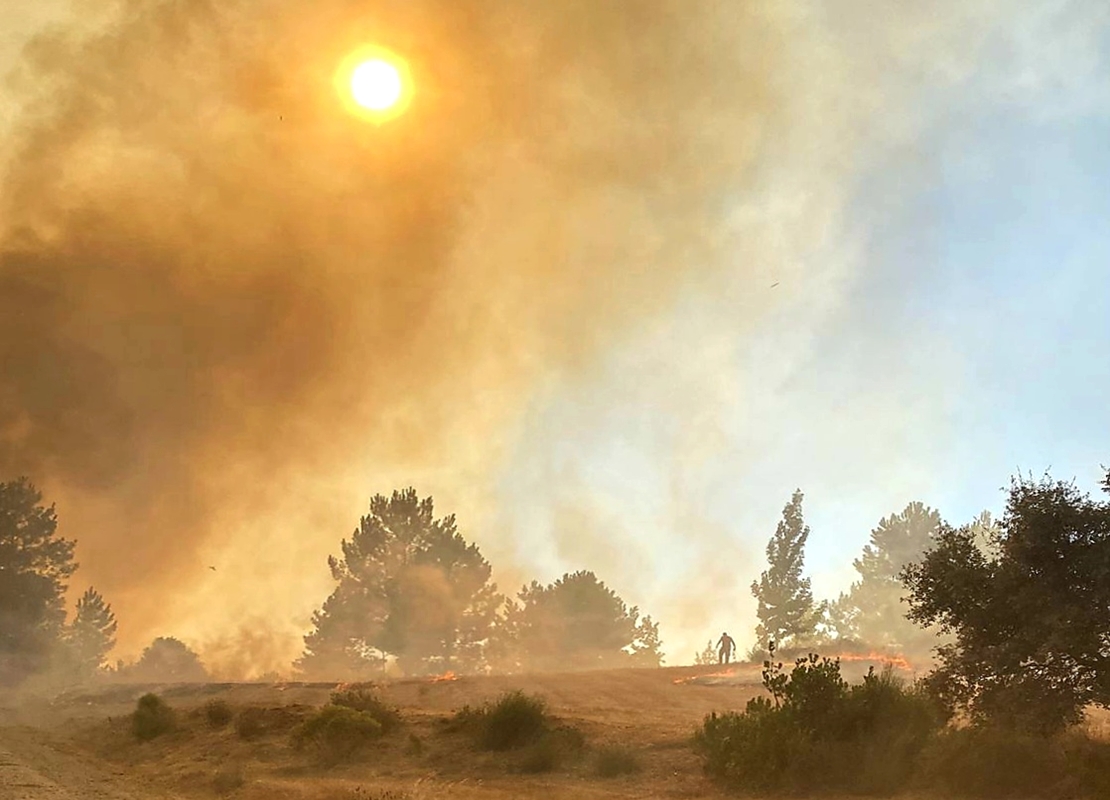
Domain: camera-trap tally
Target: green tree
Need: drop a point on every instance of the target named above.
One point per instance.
(167, 660)
(408, 586)
(578, 622)
(92, 634)
(873, 610)
(786, 612)
(1030, 616)
(34, 566)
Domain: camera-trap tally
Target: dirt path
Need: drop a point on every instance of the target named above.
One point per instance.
(32, 767)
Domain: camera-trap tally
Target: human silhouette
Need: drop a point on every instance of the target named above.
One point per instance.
(725, 647)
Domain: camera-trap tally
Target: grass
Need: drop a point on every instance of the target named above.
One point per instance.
(613, 761)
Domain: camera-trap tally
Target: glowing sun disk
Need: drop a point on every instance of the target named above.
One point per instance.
(376, 85)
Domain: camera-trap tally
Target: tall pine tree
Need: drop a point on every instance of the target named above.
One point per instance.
(786, 611)
(410, 587)
(92, 634)
(872, 611)
(34, 567)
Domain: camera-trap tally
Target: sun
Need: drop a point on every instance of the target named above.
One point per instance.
(374, 84)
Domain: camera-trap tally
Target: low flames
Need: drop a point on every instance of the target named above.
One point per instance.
(746, 673)
(447, 676)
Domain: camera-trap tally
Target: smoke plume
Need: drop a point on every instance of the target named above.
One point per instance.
(230, 311)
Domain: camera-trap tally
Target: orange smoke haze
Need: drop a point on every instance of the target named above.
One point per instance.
(230, 311)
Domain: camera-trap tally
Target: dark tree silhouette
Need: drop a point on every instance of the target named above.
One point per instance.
(409, 586)
(1030, 614)
(34, 566)
(577, 622)
(786, 612)
(91, 635)
(167, 660)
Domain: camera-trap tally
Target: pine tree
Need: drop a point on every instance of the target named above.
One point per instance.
(408, 586)
(91, 635)
(34, 567)
(786, 611)
(873, 611)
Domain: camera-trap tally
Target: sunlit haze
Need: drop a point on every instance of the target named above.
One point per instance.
(609, 285)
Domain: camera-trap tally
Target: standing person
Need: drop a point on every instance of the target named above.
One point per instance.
(724, 648)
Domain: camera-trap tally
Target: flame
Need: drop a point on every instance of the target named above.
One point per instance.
(447, 676)
(896, 661)
(728, 673)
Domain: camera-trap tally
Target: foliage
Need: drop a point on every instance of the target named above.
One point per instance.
(512, 721)
(228, 779)
(409, 586)
(151, 718)
(92, 634)
(250, 723)
(873, 611)
(1030, 614)
(34, 567)
(167, 660)
(578, 622)
(997, 763)
(364, 700)
(337, 733)
(614, 760)
(218, 713)
(817, 732)
(786, 611)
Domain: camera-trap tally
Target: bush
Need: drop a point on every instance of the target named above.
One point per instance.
(817, 732)
(152, 718)
(250, 723)
(615, 760)
(364, 700)
(514, 720)
(218, 713)
(996, 763)
(337, 732)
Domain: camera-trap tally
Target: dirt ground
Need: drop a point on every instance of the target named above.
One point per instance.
(79, 745)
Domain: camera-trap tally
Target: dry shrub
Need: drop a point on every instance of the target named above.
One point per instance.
(337, 733)
(152, 718)
(614, 760)
(364, 700)
(218, 713)
(227, 779)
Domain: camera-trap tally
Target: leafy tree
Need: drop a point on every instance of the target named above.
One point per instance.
(578, 622)
(873, 611)
(92, 634)
(786, 612)
(1030, 616)
(167, 660)
(34, 566)
(409, 586)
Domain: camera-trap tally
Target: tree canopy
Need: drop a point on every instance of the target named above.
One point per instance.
(35, 564)
(578, 622)
(1030, 614)
(92, 634)
(786, 611)
(408, 586)
(872, 611)
(167, 660)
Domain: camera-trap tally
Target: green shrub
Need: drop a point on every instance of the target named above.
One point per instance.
(817, 732)
(336, 733)
(218, 713)
(152, 717)
(551, 750)
(364, 700)
(514, 720)
(612, 761)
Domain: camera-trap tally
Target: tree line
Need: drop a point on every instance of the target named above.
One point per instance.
(1017, 610)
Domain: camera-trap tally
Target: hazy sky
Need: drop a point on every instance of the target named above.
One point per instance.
(930, 193)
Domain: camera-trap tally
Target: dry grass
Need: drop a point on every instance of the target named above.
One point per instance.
(640, 711)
